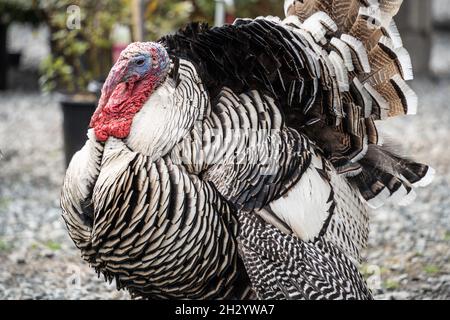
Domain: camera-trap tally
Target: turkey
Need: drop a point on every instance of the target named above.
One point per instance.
(241, 161)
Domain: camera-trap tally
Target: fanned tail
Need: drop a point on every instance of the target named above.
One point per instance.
(363, 50)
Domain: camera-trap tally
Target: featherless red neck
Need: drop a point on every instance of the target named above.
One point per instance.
(141, 68)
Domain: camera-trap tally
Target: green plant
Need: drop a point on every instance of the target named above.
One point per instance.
(84, 54)
(4, 203)
(432, 269)
(166, 16)
(53, 245)
(391, 284)
(447, 236)
(80, 52)
(254, 8)
(5, 246)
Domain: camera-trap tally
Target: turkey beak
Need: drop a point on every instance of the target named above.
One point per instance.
(108, 88)
(115, 77)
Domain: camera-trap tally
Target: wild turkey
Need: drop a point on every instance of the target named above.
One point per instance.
(239, 161)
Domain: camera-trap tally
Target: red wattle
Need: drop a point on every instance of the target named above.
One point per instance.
(116, 117)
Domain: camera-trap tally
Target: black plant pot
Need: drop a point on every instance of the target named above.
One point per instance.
(3, 57)
(14, 59)
(77, 115)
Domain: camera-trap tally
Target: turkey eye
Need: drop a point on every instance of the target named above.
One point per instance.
(140, 62)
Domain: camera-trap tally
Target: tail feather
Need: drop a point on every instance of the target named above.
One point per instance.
(370, 67)
(386, 177)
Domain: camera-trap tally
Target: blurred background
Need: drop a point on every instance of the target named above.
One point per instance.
(54, 56)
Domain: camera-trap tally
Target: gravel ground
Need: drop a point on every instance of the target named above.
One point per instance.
(408, 255)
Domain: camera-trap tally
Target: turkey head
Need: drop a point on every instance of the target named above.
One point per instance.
(139, 103)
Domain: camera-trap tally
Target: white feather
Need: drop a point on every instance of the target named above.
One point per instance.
(380, 199)
(84, 169)
(394, 34)
(151, 124)
(360, 51)
(344, 51)
(403, 57)
(169, 114)
(363, 152)
(319, 24)
(367, 99)
(427, 179)
(398, 195)
(316, 29)
(326, 21)
(340, 71)
(293, 20)
(380, 100)
(305, 207)
(373, 15)
(287, 4)
(411, 98)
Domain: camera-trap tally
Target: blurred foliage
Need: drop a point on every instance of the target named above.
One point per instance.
(19, 11)
(80, 54)
(84, 54)
(254, 8)
(391, 284)
(167, 16)
(5, 245)
(432, 269)
(53, 245)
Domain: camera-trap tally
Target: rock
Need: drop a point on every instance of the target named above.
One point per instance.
(48, 254)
